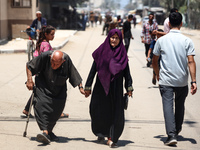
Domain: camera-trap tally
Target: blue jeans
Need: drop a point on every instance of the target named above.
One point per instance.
(173, 119)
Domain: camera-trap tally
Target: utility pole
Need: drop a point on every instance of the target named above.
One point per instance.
(149, 4)
(89, 8)
(172, 3)
(188, 13)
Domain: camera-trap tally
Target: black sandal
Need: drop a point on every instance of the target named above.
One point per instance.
(64, 115)
(43, 138)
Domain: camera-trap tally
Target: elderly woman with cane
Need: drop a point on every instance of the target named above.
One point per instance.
(107, 105)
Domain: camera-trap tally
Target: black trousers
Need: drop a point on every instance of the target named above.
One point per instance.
(127, 43)
(105, 27)
(173, 121)
(147, 46)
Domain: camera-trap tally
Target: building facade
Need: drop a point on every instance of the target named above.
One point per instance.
(62, 14)
(16, 15)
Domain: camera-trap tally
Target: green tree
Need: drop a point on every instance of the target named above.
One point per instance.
(167, 4)
(192, 12)
(194, 18)
(151, 3)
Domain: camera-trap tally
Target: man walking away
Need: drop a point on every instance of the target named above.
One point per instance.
(177, 55)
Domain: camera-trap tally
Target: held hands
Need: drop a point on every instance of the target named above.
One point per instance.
(82, 91)
(87, 93)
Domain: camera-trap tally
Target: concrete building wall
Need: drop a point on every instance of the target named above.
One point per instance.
(19, 13)
(15, 19)
(34, 9)
(3, 20)
(19, 18)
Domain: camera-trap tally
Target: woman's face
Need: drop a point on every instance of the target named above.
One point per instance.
(114, 40)
(50, 36)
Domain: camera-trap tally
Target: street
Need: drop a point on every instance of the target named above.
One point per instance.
(144, 126)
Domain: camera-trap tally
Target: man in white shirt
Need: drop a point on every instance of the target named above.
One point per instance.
(177, 55)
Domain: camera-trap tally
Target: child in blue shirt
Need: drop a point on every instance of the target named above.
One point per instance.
(150, 52)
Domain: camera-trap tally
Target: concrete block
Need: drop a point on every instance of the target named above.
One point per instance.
(16, 31)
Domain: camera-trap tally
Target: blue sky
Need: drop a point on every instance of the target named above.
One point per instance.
(124, 3)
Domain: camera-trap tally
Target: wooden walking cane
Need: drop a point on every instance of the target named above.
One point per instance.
(29, 112)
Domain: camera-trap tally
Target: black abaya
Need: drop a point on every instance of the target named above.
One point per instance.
(107, 111)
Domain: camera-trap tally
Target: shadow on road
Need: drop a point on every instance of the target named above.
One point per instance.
(153, 87)
(124, 142)
(179, 138)
(190, 123)
(121, 143)
(61, 140)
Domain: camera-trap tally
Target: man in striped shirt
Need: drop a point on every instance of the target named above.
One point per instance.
(147, 29)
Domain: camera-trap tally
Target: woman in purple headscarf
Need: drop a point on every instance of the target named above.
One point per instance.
(107, 105)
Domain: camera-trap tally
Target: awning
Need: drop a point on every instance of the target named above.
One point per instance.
(132, 11)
